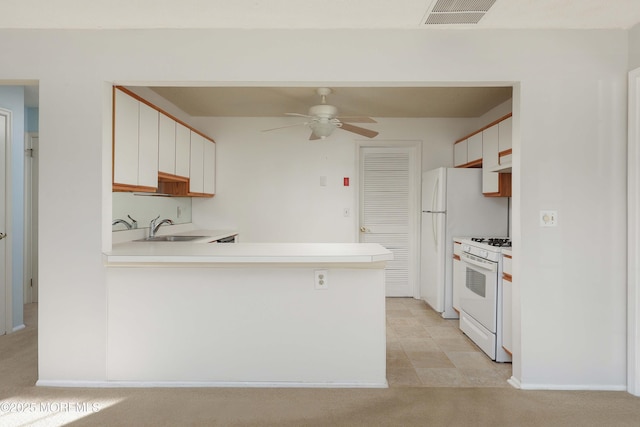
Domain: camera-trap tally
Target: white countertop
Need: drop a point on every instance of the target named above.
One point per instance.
(240, 253)
(507, 252)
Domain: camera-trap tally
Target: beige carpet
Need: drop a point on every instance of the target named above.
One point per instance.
(21, 403)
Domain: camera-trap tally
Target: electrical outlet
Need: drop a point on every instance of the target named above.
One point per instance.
(321, 279)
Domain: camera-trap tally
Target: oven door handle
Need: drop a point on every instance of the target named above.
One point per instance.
(489, 266)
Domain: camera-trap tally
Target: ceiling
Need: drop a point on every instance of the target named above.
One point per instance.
(330, 14)
(324, 14)
(351, 101)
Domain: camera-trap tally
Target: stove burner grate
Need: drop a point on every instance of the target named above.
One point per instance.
(493, 241)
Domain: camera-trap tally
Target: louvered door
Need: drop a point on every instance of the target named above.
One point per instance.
(387, 211)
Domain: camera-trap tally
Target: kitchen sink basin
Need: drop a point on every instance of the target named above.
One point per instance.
(171, 238)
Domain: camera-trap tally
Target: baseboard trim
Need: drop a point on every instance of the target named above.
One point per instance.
(574, 387)
(203, 384)
(515, 383)
(18, 328)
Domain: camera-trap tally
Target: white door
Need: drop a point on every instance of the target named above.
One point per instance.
(4, 246)
(389, 206)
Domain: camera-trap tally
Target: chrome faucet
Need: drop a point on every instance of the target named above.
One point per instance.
(153, 227)
(122, 221)
(134, 223)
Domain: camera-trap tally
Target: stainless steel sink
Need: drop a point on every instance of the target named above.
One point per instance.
(171, 238)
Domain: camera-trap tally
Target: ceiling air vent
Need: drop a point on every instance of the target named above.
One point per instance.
(446, 12)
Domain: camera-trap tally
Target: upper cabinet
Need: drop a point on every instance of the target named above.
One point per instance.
(148, 146)
(504, 154)
(183, 149)
(490, 182)
(493, 142)
(474, 149)
(209, 167)
(155, 152)
(202, 165)
(167, 145)
(460, 153)
(467, 152)
(130, 173)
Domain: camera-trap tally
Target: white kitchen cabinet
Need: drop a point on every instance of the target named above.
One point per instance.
(460, 153)
(196, 166)
(209, 167)
(155, 152)
(459, 275)
(505, 141)
(135, 140)
(183, 150)
(507, 305)
(490, 180)
(174, 141)
(125, 139)
(467, 153)
(474, 148)
(167, 145)
(148, 147)
(202, 166)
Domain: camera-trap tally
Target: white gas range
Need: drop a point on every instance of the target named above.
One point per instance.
(481, 295)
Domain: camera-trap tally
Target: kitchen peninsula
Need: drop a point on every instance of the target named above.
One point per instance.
(246, 314)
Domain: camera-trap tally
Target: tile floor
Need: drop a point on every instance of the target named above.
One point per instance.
(425, 350)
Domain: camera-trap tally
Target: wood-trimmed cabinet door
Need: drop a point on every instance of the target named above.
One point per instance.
(490, 180)
(196, 166)
(167, 145)
(148, 147)
(474, 149)
(135, 144)
(505, 141)
(183, 150)
(460, 153)
(209, 175)
(125, 139)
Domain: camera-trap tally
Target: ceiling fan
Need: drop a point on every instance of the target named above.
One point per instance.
(323, 119)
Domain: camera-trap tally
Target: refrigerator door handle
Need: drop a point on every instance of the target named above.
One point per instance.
(436, 187)
(435, 231)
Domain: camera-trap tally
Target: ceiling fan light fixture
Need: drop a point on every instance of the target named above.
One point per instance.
(322, 129)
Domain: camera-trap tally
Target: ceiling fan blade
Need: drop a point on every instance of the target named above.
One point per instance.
(284, 127)
(360, 131)
(349, 119)
(296, 114)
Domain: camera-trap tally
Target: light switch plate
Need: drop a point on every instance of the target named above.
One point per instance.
(548, 218)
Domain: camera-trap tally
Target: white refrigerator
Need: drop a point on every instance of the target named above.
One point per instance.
(453, 206)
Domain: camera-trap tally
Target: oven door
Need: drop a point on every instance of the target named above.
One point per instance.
(478, 296)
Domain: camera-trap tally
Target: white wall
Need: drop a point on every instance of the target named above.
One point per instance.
(634, 47)
(569, 155)
(268, 183)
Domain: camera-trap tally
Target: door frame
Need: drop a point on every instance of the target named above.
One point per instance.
(8, 274)
(633, 243)
(30, 283)
(414, 261)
